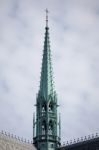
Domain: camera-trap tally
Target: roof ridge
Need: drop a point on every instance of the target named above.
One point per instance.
(80, 140)
(14, 137)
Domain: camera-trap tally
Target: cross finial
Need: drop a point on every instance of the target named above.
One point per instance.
(47, 17)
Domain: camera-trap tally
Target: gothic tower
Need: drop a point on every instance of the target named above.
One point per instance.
(46, 128)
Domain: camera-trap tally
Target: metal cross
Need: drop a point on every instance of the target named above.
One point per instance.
(47, 17)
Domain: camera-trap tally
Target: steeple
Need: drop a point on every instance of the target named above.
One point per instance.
(47, 17)
(46, 81)
(46, 129)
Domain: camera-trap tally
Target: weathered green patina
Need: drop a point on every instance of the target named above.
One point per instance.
(47, 126)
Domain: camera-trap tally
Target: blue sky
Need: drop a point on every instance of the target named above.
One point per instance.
(74, 36)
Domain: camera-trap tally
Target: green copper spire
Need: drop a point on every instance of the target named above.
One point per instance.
(46, 82)
(46, 126)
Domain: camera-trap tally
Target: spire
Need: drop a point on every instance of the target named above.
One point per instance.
(46, 81)
(46, 123)
(47, 17)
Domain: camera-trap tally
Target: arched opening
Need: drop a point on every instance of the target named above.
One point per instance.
(43, 127)
(44, 107)
(50, 127)
(50, 106)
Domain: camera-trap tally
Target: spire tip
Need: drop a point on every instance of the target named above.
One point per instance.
(47, 17)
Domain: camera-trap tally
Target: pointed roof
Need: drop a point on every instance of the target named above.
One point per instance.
(46, 80)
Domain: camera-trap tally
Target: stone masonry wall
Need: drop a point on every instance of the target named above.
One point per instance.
(7, 142)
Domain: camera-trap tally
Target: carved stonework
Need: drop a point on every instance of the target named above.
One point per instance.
(9, 143)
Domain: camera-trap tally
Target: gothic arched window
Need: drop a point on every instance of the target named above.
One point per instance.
(50, 106)
(44, 107)
(44, 127)
(50, 127)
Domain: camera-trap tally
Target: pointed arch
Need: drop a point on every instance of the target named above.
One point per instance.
(43, 127)
(51, 106)
(44, 106)
(51, 127)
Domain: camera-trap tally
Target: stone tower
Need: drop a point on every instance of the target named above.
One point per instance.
(46, 128)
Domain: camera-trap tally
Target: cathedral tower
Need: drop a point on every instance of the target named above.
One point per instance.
(46, 128)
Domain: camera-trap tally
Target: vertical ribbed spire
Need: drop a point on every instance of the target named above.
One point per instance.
(46, 81)
(46, 124)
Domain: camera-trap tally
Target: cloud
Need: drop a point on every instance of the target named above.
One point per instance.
(74, 43)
